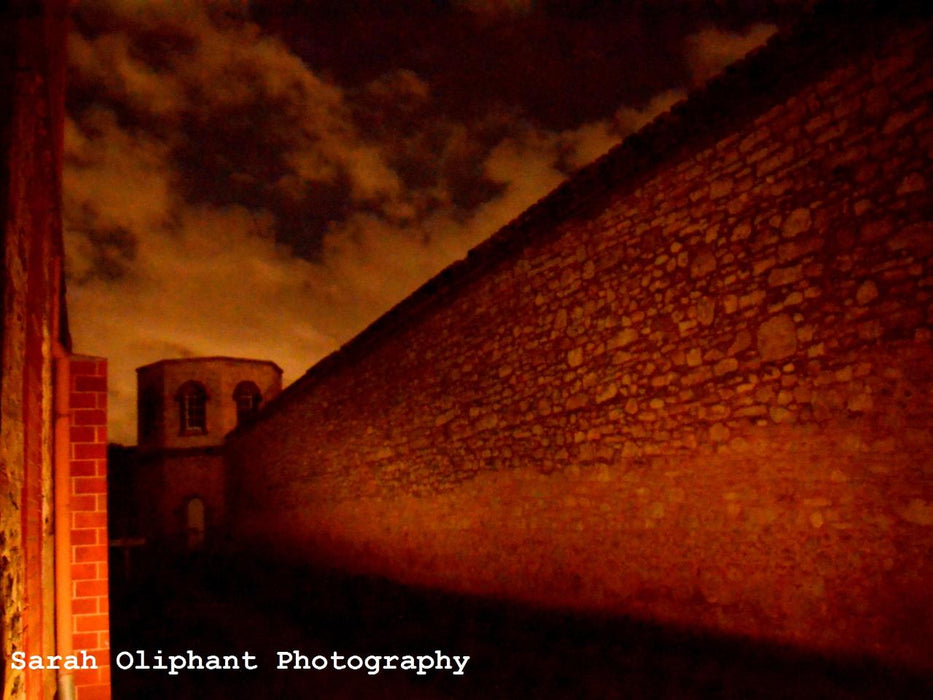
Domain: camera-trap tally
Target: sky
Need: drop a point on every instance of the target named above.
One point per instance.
(265, 178)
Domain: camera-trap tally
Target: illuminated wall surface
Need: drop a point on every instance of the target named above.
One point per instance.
(90, 604)
(31, 116)
(28, 217)
(32, 67)
(692, 385)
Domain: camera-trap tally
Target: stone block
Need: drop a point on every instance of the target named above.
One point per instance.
(706, 311)
(785, 275)
(724, 366)
(867, 293)
(575, 357)
(623, 338)
(916, 239)
(799, 221)
(703, 264)
(608, 392)
(914, 182)
(777, 338)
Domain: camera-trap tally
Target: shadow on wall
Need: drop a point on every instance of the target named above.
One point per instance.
(219, 606)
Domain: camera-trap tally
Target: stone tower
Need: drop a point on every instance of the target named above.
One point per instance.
(185, 409)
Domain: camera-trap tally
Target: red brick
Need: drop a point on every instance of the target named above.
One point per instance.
(83, 433)
(89, 484)
(86, 400)
(84, 606)
(88, 536)
(89, 417)
(83, 467)
(101, 505)
(90, 519)
(90, 384)
(84, 368)
(102, 432)
(91, 623)
(90, 451)
(87, 676)
(95, 692)
(83, 502)
(86, 553)
(86, 640)
(83, 572)
(90, 588)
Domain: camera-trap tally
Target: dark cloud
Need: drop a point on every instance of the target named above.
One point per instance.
(264, 180)
(111, 251)
(563, 63)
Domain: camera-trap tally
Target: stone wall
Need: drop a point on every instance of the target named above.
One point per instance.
(691, 385)
(32, 42)
(165, 483)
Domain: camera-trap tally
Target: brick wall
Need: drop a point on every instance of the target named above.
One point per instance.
(692, 385)
(89, 538)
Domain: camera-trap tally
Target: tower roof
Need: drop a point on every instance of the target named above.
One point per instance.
(211, 358)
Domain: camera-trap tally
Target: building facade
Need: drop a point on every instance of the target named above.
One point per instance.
(186, 407)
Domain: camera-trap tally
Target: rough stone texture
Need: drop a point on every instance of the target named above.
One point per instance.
(219, 376)
(777, 338)
(32, 40)
(709, 406)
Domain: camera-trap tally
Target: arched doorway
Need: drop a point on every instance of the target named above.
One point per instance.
(195, 524)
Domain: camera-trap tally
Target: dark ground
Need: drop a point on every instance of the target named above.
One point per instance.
(218, 606)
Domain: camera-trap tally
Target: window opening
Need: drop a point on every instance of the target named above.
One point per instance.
(192, 408)
(248, 398)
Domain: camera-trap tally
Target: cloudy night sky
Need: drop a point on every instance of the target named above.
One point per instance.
(264, 179)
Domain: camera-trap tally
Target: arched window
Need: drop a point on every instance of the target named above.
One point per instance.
(192, 408)
(247, 397)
